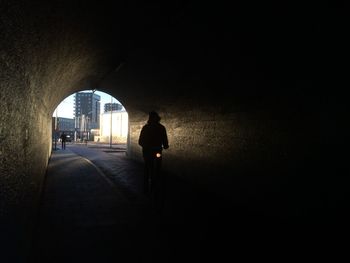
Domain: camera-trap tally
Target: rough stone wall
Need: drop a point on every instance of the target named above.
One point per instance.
(225, 132)
(25, 136)
(43, 59)
(214, 149)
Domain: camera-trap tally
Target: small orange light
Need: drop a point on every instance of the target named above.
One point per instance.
(158, 155)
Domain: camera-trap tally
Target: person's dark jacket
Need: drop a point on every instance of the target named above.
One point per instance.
(153, 136)
(63, 137)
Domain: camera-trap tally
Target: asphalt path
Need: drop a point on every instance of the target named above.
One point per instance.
(93, 210)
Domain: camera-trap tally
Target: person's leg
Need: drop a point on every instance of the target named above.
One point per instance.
(147, 174)
(145, 178)
(158, 184)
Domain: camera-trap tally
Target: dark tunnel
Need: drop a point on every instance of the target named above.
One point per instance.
(237, 86)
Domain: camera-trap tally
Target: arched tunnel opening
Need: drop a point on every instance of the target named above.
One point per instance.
(236, 87)
(91, 116)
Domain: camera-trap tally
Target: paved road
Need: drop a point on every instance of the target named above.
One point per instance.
(93, 210)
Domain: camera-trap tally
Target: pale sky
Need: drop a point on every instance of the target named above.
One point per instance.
(66, 107)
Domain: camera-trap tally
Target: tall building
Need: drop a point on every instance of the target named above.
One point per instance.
(112, 107)
(87, 111)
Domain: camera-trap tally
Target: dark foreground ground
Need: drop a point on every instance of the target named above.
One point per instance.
(93, 210)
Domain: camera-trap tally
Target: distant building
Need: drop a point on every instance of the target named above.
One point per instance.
(65, 124)
(86, 113)
(112, 107)
(61, 124)
(119, 132)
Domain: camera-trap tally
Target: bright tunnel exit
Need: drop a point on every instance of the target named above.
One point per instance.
(91, 116)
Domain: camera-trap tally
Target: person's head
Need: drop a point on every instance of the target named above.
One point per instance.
(153, 117)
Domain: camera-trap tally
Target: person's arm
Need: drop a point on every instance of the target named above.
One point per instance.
(141, 137)
(165, 139)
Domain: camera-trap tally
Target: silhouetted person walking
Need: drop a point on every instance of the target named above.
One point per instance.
(63, 140)
(153, 139)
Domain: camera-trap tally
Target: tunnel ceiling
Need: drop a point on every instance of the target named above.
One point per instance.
(192, 49)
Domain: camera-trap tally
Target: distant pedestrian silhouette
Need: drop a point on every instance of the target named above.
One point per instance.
(153, 139)
(63, 140)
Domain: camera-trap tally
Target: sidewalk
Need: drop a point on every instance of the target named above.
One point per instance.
(93, 210)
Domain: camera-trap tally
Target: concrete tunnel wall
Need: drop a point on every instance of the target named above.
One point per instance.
(238, 124)
(226, 132)
(43, 60)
